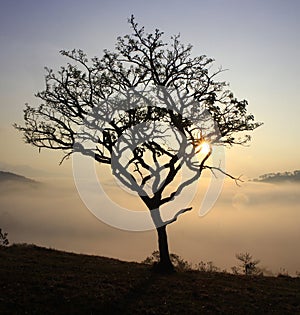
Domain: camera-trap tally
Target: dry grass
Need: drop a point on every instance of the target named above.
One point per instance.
(35, 280)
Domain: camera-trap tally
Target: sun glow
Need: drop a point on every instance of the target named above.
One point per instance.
(204, 148)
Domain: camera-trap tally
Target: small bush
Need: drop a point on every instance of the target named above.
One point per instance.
(179, 263)
(3, 239)
(235, 270)
(207, 267)
(283, 273)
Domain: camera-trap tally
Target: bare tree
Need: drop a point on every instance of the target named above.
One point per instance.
(248, 265)
(130, 103)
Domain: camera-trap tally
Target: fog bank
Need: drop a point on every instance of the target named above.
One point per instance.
(260, 218)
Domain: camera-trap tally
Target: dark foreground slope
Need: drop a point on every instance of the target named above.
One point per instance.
(35, 280)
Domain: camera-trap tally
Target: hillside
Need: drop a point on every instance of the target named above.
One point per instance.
(292, 177)
(12, 177)
(36, 280)
(11, 182)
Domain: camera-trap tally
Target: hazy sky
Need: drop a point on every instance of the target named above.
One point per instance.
(258, 41)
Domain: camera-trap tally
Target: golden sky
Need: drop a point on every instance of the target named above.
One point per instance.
(257, 41)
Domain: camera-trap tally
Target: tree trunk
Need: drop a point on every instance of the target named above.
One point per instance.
(164, 265)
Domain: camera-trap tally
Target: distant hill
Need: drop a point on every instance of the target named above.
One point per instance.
(36, 280)
(12, 177)
(26, 170)
(279, 177)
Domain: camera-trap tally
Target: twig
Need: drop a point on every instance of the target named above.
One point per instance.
(236, 179)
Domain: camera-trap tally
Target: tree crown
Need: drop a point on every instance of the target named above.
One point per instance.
(137, 97)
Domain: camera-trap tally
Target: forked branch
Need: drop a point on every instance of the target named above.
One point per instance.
(213, 168)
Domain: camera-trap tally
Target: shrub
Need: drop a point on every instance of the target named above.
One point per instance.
(283, 273)
(179, 263)
(207, 266)
(3, 239)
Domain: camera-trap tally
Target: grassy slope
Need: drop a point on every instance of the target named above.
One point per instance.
(35, 280)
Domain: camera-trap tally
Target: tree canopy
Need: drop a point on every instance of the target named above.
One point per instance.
(146, 109)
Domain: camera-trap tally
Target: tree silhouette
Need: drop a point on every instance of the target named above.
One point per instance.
(248, 264)
(147, 109)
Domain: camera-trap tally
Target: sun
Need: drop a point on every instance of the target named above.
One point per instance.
(205, 148)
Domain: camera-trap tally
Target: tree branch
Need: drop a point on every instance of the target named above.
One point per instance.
(177, 215)
(213, 168)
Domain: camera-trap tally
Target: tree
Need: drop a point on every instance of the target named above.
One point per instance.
(131, 102)
(248, 265)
